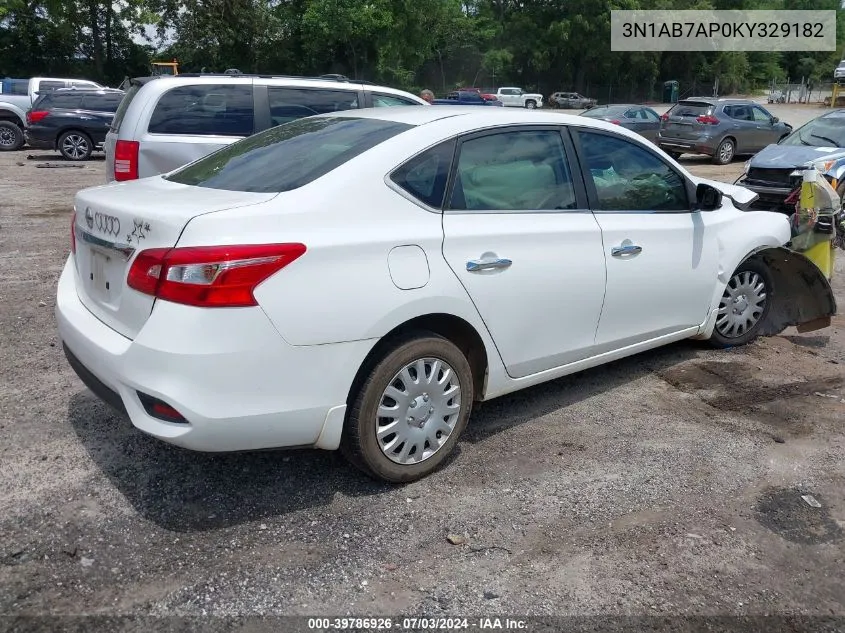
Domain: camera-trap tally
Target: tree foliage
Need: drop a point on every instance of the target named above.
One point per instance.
(546, 45)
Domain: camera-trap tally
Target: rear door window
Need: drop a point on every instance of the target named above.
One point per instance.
(102, 102)
(290, 104)
(287, 156)
(63, 100)
(205, 110)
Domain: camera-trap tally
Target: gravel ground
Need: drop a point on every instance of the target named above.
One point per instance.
(665, 484)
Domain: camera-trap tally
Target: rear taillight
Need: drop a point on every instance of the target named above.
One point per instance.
(615, 121)
(35, 116)
(664, 116)
(73, 233)
(209, 276)
(707, 119)
(126, 160)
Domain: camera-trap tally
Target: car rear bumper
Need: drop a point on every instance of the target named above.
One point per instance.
(705, 145)
(237, 383)
(39, 139)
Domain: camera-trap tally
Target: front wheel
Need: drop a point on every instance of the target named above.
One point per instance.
(530, 104)
(11, 136)
(744, 305)
(407, 416)
(725, 152)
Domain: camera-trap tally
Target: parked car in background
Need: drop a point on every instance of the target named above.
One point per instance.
(466, 97)
(454, 252)
(776, 171)
(75, 122)
(165, 122)
(571, 100)
(839, 71)
(484, 95)
(640, 119)
(518, 98)
(776, 96)
(17, 97)
(720, 128)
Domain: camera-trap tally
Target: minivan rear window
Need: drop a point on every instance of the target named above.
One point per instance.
(288, 156)
(124, 106)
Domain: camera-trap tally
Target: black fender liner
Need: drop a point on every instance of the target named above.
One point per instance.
(801, 296)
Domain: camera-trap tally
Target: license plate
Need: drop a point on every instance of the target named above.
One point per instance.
(100, 282)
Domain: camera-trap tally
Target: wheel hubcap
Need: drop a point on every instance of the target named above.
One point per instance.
(75, 146)
(418, 411)
(742, 304)
(727, 152)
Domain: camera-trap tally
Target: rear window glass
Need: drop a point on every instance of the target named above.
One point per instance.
(16, 87)
(102, 102)
(290, 104)
(690, 109)
(287, 156)
(124, 106)
(56, 99)
(204, 109)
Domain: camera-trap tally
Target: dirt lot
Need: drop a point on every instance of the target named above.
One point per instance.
(666, 484)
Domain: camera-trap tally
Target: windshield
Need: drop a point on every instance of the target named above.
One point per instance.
(825, 131)
(287, 156)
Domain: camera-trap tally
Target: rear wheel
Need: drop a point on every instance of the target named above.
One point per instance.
(11, 136)
(407, 416)
(725, 152)
(75, 145)
(675, 155)
(744, 305)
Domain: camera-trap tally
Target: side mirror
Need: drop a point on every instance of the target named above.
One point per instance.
(707, 197)
(775, 120)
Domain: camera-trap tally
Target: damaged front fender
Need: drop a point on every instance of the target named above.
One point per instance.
(801, 295)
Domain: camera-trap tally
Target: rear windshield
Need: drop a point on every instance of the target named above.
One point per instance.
(124, 106)
(287, 156)
(691, 109)
(58, 99)
(604, 111)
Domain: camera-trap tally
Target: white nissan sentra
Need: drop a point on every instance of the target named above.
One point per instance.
(358, 280)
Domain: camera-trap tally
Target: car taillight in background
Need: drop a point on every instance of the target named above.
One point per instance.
(664, 116)
(126, 160)
(34, 116)
(707, 119)
(615, 121)
(209, 276)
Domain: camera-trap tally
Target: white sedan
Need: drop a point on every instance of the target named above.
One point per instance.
(358, 280)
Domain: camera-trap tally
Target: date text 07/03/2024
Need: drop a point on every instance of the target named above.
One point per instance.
(416, 624)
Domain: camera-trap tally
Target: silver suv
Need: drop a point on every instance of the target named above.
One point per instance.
(165, 122)
(719, 128)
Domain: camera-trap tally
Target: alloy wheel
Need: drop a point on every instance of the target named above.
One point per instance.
(75, 146)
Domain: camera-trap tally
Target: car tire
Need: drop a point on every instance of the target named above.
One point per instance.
(75, 146)
(531, 104)
(391, 457)
(725, 152)
(11, 136)
(739, 328)
(675, 155)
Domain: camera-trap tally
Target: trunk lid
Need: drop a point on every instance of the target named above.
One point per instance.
(681, 119)
(115, 222)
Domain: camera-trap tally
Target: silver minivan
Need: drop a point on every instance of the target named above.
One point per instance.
(165, 122)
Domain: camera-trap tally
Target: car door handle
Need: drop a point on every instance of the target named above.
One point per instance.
(626, 249)
(474, 265)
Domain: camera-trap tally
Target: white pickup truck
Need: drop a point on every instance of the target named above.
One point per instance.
(18, 95)
(517, 98)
